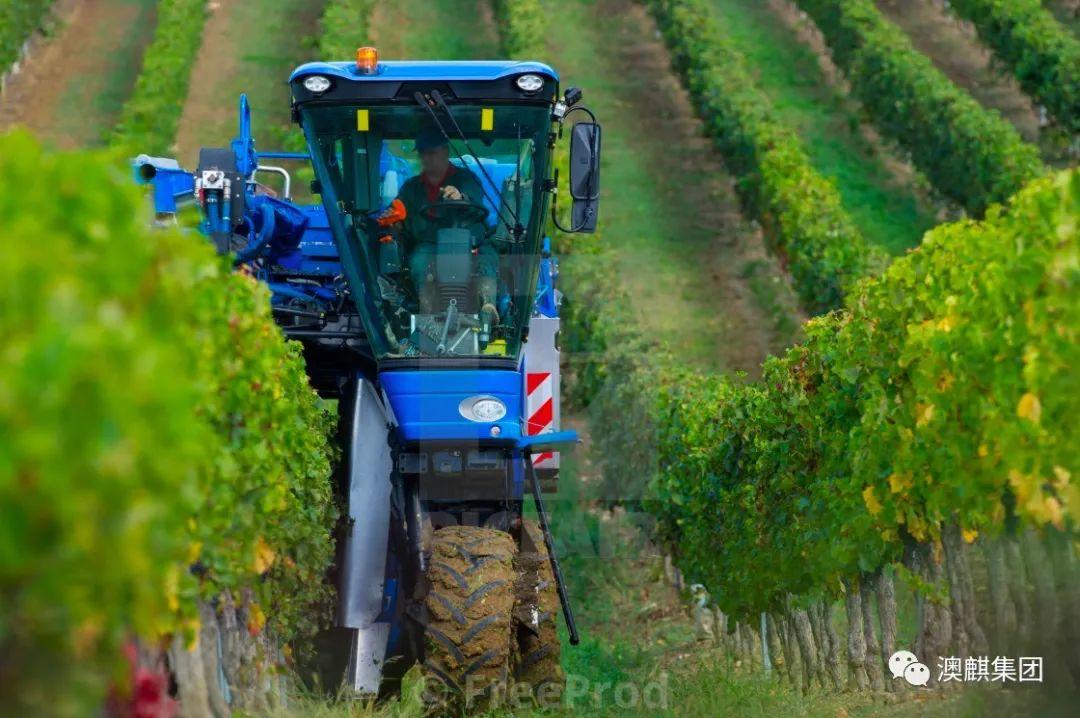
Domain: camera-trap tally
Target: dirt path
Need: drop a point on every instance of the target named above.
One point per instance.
(955, 49)
(435, 30)
(247, 47)
(696, 270)
(72, 87)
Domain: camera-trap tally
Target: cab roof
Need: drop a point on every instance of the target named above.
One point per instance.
(426, 70)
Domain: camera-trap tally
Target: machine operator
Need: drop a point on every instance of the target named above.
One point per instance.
(439, 181)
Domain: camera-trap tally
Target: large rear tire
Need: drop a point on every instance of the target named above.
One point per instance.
(536, 611)
(467, 627)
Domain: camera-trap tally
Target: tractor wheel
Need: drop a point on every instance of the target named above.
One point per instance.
(536, 610)
(468, 608)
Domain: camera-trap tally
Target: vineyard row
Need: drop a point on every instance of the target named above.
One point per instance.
(800, 210)
(204, 520)
(1043, 54)
(165, 464)
(927, 418)
(970, 154)
(18, 20)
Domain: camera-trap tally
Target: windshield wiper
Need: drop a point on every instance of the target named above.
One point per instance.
(515, 227)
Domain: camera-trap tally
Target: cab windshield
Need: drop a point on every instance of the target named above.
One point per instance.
(439, 232)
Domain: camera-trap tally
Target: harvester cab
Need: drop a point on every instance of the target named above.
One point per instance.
(423, 290)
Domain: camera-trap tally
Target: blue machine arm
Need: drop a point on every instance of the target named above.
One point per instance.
(172, 184)
(547, 442)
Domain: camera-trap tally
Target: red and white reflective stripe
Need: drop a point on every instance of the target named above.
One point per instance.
(539, 408)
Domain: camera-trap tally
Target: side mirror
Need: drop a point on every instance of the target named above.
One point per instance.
(585, 176)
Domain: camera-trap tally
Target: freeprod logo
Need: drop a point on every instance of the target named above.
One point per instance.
(974, 669)
(579, 692)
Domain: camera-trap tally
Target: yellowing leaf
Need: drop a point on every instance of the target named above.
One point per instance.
(85, 637)
(924, 414)
(945, 381)
(256, 619)
(194, 551)
(1062, 474)
(969, 535)
(172, 588)
(1035, 508)
(983, 451)
(190, 626)
(917, 528)
(264, 556)
(1029, 408)
(899, 482)
(872, 503)
(999, 514)
(1022, 485)
(1053, 512)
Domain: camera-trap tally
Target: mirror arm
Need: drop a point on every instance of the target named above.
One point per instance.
(579, 108)
(554, 212)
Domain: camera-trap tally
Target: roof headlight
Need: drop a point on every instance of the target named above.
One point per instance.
(317, 84)
(530, 83)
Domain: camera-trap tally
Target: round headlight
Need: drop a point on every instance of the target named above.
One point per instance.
(489, 409)
(530, 83)
(482, 409)
(317, 84)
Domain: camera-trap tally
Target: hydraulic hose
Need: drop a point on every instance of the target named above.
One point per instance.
(265, 234)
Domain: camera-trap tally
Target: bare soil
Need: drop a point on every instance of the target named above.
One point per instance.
(71, 88)
(204, 105)
(250, 48)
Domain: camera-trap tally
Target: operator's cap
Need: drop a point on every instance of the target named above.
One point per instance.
(430, 138)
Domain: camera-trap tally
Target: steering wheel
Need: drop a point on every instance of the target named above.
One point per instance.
(463, 211)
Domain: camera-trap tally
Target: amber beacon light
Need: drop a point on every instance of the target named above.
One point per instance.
(367, 60)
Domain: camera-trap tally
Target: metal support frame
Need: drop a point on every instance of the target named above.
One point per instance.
(560, 584)
(364, 561)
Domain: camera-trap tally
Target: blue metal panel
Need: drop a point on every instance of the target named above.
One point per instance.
(426, 402)
(283, 156)
(545, 284)
(171, 186)
(404, 71)
(318, 240)
(518, 475)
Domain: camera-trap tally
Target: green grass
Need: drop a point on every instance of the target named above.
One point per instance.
(636, 629)
(886, 212)
(434, 30)
(666, 210)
